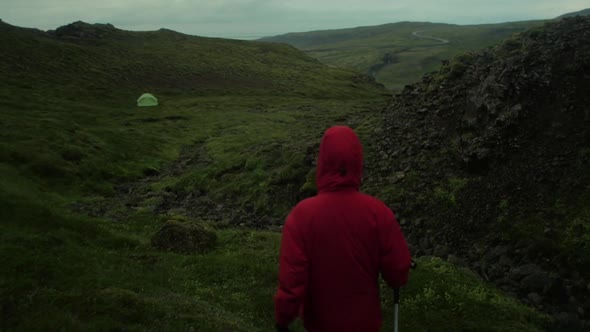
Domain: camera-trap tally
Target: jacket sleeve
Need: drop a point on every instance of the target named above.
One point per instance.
(293, 274)
(394, 255)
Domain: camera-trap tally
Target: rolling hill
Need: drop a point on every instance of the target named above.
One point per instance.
(399, 53)
(99, 56)
(74, 89)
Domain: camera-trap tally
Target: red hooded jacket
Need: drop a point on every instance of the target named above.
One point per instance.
(335, 244)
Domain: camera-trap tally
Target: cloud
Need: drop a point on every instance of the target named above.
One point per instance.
(239, 17)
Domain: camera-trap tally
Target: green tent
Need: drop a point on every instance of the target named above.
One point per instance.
(147, 99)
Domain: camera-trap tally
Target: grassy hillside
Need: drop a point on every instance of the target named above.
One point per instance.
(74, 273)
(392, 53)
(88, 179)
(115, 63)
(70, 120)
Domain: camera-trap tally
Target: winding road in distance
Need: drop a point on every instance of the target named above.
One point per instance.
(440, 40)
(374, 70)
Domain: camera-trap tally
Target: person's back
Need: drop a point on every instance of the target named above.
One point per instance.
(334, 246)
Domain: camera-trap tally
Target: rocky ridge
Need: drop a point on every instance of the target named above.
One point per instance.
(487, 164)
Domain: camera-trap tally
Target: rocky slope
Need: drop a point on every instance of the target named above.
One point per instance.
(487, 163)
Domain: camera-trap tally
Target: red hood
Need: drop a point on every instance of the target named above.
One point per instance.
(340, 163)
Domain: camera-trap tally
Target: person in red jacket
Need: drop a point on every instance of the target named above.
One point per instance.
(334, 246)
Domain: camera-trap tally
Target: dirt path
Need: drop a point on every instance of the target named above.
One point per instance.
(440, 41)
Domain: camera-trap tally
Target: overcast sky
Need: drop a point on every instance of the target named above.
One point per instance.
(241, 18)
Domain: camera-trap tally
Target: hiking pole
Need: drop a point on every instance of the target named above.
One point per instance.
(396, 303)
(396, 309)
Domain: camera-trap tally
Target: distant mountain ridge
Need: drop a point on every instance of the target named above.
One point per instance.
(397, 54)
(325, 37)
(583, 12)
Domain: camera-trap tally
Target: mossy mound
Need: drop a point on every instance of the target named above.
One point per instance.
(184, 238)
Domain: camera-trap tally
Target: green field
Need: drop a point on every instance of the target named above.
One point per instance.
(392, 53)
(88, 179)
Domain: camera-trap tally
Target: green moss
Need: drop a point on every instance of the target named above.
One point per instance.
(447, 192)
(574, 243)
(452, 299)
(457, 70)
(74, 285)
(509, 47)
(309, 188)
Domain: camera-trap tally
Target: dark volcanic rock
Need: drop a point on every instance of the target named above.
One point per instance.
(537, 282)
(520, 272)
(83, 31)
(495, 155)
(535, 299)
(441, 251)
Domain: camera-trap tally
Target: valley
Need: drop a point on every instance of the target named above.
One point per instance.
(399, 51)
(484, 161)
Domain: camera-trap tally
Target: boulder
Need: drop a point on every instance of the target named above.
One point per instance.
(82, 30)
(425, 243)
(499, 251)
(567, 322)
(505, 262)
(456, 260)
(184, 238)
(536, 282)
(441, 251)
(556, 290)
(519, 272)
(535, 299)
